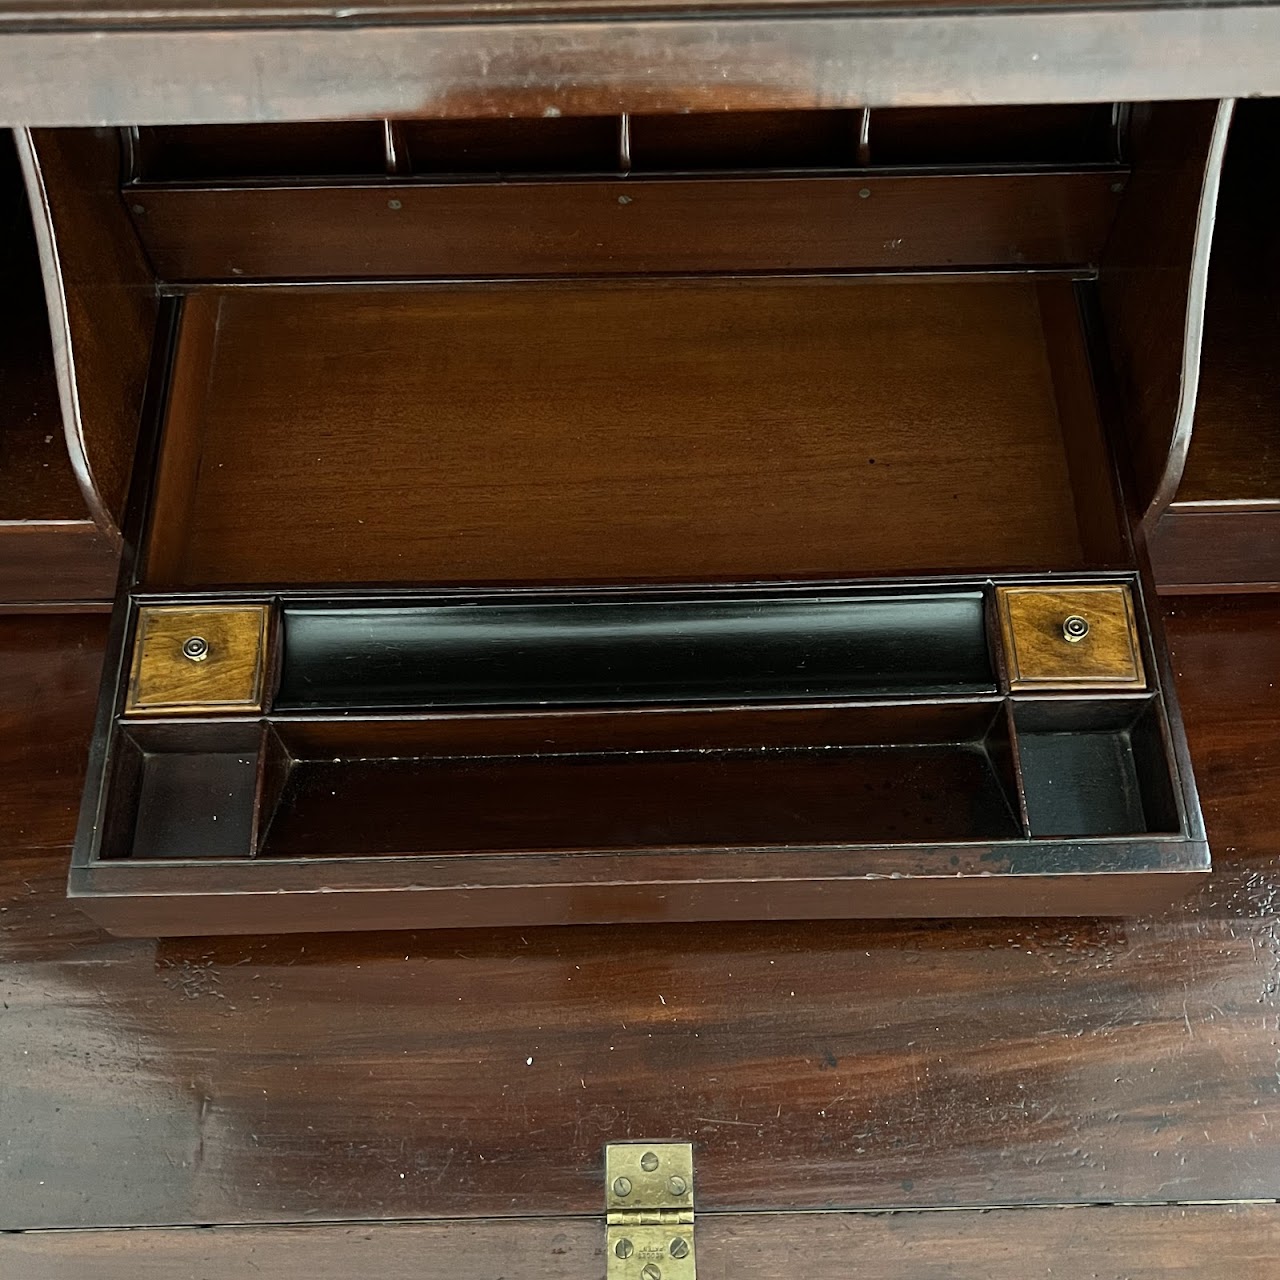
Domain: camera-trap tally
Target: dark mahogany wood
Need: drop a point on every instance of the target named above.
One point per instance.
(1153, 283)
(684, 431)
(1222, 529)
(1207, 1242)
(1230, 548)
(101, 298)
(864, 222)
(818, 1065)
(50, 549)
(243, 64)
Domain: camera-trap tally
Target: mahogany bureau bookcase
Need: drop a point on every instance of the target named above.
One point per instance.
(720, 506)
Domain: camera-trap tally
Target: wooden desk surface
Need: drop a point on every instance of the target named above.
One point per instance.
(477, 1076)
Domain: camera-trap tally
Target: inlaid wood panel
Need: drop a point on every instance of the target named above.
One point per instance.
(1071, 637)
(194, 659)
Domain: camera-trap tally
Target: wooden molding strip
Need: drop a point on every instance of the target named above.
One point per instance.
(935, 56)
(1209, 1242)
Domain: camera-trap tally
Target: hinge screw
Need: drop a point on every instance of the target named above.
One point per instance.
(679, 1247)
(648, 1162)
(195, 648)
(677, 1185)
(651, 1272)
(624, 1248)
(622, 1186)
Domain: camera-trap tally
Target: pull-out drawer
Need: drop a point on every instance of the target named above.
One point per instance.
(565, 585)
(746, 599)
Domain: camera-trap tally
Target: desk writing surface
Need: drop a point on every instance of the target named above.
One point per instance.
(441, 1075)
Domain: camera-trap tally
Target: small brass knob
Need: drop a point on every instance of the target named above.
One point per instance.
(1075, 628)
(195, 648)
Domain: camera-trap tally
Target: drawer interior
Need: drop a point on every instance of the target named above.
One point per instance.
(627, 432)
(943, 775)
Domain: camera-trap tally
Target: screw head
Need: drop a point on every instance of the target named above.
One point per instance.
(677, 1185)
(195, 648)
(622, 1186)
(679, 1247)
(624, 1248)
(651, 1272)
(648, 1162)
(1075, 628)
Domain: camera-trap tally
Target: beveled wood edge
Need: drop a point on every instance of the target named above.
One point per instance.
(1193, 326)
(60, 332)
(146, 910)
(932, 57)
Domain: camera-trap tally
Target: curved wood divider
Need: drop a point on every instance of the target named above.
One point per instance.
(1154, 279)
(101, 297)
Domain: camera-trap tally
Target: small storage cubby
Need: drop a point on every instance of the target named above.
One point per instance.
(51, 551)
(630, 519)
(1222, 528)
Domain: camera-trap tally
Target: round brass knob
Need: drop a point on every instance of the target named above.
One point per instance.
(1075, 628)
(195, 648)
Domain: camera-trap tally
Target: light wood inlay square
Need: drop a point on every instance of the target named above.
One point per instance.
(168, 679)
(1039, 654)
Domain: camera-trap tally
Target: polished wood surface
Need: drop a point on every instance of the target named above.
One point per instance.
(1222, 530)
(1153, 281)
(1043, 652)
(159, 13)
(227, 674)
(601, 432)
(100, 293)
(863, 222)
(1235, 548)
(141, 69)
(50, 549)
(841, 1064)
(1208, 1242)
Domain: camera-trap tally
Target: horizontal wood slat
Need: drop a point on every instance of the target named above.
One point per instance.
(613, 227)
(1208, 1242)
(1235, 546)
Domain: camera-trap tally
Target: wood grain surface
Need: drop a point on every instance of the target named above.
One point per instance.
(229, 677)
(471, 1074)
(605, 432)
(1039, 653)
(615, 227)
(1153, 281)
(1219, 1242)
(101, 301)
(121, 65)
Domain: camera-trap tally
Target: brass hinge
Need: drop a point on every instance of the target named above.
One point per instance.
(649, 1210)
